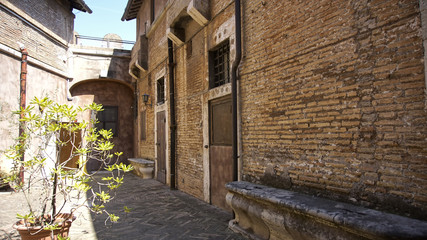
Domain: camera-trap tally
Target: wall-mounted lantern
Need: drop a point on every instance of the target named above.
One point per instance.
(145, 98)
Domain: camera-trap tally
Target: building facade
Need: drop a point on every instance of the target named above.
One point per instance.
(177, 41)
(333, 101)
(58, 68)
(331, 98)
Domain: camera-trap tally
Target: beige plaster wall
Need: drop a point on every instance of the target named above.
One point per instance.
(40, 83)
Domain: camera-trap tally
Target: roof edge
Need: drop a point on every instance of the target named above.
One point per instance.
(80, 5)
(127, 15)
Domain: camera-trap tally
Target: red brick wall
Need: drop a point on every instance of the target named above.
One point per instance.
(157, 55)
(189, 86)
(333, 100)
(112, 94)
(216, 6)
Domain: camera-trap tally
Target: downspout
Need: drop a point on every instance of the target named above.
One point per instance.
(69, 97)
(152, 12)
(172, 114)
(234, 69)
(23, 99)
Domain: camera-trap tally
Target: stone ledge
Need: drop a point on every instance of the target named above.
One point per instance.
(269, 213)
(142, 167)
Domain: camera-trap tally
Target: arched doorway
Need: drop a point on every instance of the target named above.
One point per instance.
(117, 99)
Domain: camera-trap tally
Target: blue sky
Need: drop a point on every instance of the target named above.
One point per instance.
(105, 18)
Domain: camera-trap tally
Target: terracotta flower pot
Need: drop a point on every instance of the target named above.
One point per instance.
(63, 220)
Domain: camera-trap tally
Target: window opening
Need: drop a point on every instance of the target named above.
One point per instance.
(220, 122)
(108, 119)
(161, 91)
(219, 65)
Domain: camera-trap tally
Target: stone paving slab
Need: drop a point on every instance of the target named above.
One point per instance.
(157, 213)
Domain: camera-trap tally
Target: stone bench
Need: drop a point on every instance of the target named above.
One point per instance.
(142, 167)
(263, 212)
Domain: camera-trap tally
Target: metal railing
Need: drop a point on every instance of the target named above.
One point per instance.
(103, 42)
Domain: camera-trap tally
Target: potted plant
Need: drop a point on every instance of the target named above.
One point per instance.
(49, 160)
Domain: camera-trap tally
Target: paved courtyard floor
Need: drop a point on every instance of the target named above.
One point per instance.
(157, 213)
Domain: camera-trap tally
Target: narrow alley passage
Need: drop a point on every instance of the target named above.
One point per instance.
(157, 213)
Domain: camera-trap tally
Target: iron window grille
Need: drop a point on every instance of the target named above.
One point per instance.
(108, 119)
(220, 65)
(161, 91)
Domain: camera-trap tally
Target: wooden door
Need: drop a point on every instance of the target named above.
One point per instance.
(220, 150)
(72, 142)
(161, 147)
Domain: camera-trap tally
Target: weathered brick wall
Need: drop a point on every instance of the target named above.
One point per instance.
(110, 93)
(333, 101)
(53, 14)
(157, 55)
(143, 19)
(40, 45)
(50, 50)
(192, 92)
(158, 46)
(89, 62)
(189, 89)
(216, 6)
(145, 148)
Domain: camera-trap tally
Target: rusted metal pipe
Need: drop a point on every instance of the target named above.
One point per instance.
(234, 69)
(23, 99)
(172, 115)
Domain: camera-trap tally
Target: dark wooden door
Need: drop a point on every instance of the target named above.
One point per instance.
(220, 150)
(72, 142)
(161, 147)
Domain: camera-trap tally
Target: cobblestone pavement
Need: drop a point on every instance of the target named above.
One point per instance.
(157, 213)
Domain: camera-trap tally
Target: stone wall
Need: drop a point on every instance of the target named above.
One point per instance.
(95, 62)
(192, 93)
(110, 93)
(331, 99)
(26, 22)
(9, 101)
(52, 14)
(44, 31)
(333, 103)
(101, 75)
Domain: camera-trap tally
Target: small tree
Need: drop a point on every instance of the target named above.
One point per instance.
(57, 147)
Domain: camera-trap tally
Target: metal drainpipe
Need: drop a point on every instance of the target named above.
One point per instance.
(69, 97)
(238, 28)
(23, 99)
(172, 114)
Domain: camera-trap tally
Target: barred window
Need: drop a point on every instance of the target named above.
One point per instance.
(219, 65)
(108, 119)
(161, 91)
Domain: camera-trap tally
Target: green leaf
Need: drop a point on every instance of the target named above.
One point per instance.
(111, 168)
(84, 187)
(104, 197)
(97, 208)
(82, 151)
(126, 209)
(106, 134)
(118, 180)
(125, 168)
(28, 217)
(51, 227)
(62, 238)
(113, 217)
